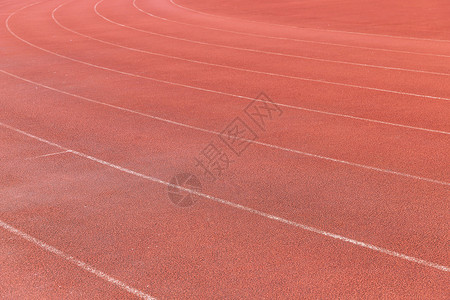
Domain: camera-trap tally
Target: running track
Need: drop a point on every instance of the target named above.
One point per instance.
(345, 195)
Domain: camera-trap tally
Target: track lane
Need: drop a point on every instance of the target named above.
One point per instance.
(204, 37)
(320, 92)
(170, 11)
(119, 151)
(340, 46)
(114, 145)
(409, 80)
(374, 65)
(339, 145)
(350, 8)
(341, 72)
(240, 287)
(376, 159)
(229, 252)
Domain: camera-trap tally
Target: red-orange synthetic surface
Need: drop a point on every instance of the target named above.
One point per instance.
(342, 192)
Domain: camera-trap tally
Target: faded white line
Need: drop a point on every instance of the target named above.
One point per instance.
(300, 78)
(46, 155)
(74, 260)
(253, 142)
(315, 29)
(295, 40)
(245, 208)
(213, 91)
(240, 49)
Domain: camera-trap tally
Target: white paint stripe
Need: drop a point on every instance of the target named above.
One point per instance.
(75, 261)
(291, 39)
(291, 55)
(236, 68)
(46, 155)
(214, 91)
(299, 78)
(315, 29)
(252, 141)
(245, 208)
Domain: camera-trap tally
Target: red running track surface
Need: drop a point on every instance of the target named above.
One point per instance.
(342, 193)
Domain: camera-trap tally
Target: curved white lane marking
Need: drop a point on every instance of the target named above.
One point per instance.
(316, 156)
(214, 91)
(234, 205)
(292, 39)
(309, 79)
(315, 29)
(231, 67)
(240, 49)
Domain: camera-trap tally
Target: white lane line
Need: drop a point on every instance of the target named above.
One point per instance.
(245, 208)
(74, 260)
(324, 81)
(315, 29)
(255, 51)
(214, 91)
(46, 155)
(252, 141)
(237, 68)
(295, 40)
